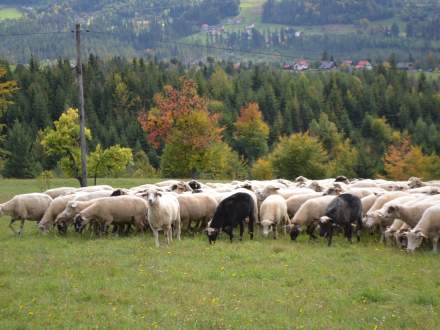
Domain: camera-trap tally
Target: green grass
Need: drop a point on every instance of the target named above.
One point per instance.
(51, 282)
(10, 13)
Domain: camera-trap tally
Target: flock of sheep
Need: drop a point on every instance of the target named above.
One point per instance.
(403, 213)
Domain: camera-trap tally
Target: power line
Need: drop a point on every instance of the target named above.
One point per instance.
(228, 49)
(34, 33)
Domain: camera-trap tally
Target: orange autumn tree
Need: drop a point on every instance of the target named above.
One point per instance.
(404, 160)
(190, 136)
(251, 133)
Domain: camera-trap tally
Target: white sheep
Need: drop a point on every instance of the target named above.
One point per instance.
(25, 207)
(367, 203)
(295, 202)
(308, 215)
(427, 228)
(196, 207)
(61, 191)
(115, 210)
(380, 202)
(163, 213)
(273, 212)
(55, 208)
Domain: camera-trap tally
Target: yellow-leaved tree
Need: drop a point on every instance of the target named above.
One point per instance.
(63, 141)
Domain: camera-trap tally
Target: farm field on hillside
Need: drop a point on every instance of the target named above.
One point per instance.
(49, 281)
(9, 13)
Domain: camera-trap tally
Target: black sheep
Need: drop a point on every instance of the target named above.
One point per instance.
(343, 212)
(232, 211)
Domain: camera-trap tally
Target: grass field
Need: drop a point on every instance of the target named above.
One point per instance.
(73, 282)
(10, 13)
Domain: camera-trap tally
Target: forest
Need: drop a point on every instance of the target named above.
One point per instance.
(310, 12)
(228, 121)
(173, 29)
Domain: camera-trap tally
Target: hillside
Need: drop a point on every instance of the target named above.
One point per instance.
(289, 28)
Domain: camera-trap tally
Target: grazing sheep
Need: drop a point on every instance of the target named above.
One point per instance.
(427, 228)
(344, 211)
(409, 213)
(380, 202)
(273, 211)
(196, 207)
(367, 203)
(114, 210)
(393, 233)
(73, 207)
(25, 207)
(295, 202)
(380, 218)
(232, 211)
(55, 208)
(308, 216)
(415, 182)
(94, 188)
(62, 191)
(180, 188)
(163, 213)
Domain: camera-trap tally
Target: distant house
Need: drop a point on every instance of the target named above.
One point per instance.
(327, 65)
(205, 27)
(299, 34)
(405, 66)
(288, 66)
(363, 65)
(301, 65)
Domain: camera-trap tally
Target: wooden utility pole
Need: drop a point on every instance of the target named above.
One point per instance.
(82, 119)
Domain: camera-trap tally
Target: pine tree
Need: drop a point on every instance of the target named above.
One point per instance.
(20, 162)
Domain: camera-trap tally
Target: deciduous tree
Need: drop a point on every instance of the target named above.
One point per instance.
(251, 133)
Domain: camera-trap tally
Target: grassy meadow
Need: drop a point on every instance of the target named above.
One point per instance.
(10, 13)
(79, 282)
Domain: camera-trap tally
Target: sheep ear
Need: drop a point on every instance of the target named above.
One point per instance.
(158, 194)
(420, 234)
(324, 219)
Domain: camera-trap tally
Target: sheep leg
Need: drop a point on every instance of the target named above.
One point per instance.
(275, 231)
(229, 231)
(251, 230)
(349, 233)
(169, 233)
(241, 230)
(435, 244)
(310, 230)
(330, 236)
(12, 228)
(156, 236)
(178, 230)
(20, 232)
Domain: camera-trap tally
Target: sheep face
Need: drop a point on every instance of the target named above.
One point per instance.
(294, 232)
(389, 234)
(153, 197)
(212, 234)
(401, 239)
(325, 225)
(371, 220)
(78, 224)
(62, 227)
(268, 227)
(43, 227)
(391, 211)
(415, 239)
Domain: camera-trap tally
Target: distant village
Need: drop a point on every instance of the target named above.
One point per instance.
(303, 64)
(346, 65)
